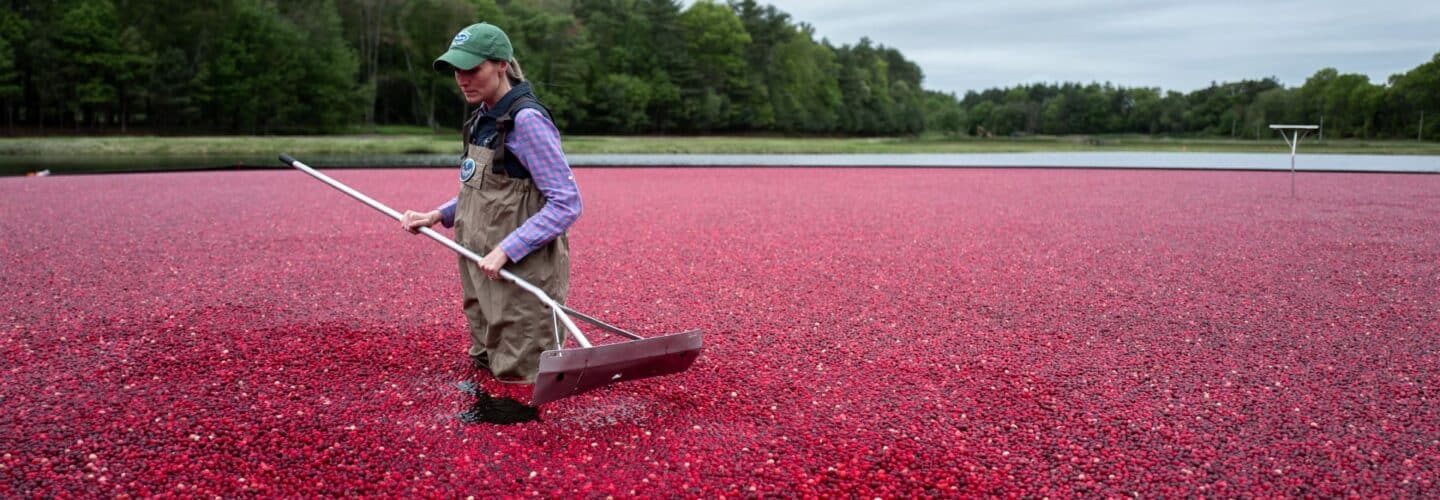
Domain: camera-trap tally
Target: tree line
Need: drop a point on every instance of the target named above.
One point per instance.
(602, 66)
(1346, 105)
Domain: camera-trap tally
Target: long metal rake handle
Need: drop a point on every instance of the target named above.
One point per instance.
(558, 309)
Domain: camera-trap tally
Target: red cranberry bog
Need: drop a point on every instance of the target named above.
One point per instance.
(870, 332)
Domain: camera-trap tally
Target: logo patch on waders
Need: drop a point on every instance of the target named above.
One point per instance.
(467, 169)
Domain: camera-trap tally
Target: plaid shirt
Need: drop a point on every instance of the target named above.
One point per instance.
(536, 142)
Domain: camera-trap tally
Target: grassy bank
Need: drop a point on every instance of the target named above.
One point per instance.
(419, 141)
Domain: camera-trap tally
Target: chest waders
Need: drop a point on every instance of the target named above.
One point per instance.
(508, 326)
(562, 372)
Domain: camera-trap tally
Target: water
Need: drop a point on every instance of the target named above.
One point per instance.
(12, 165)
(21, 165)
(1196, 161)
(505, 411)
(489, 409)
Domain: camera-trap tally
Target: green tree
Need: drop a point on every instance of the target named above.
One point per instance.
(173, 93)
(85, 36)
(1413, 94)
(980, 118)
(557, 56)
(865, 89)
(1144, 116)
(367, 23)
(1055, 118)
(716, 40)
(621, 32)
(943, 113)
(247, 82)
(1347, 103)
(1014, 118)
(409, 90)
(642, 40)
(163, 44)
(324, 83)
(1274, 106)
(768, 29)
(621, 103)
(132, 65)
(1311, 96)
(669, 66)
(906, 96)
(804, 92)
(13, 31)
(907, 112)
(1172, 112)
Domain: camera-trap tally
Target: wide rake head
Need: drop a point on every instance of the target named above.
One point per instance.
(567, 372)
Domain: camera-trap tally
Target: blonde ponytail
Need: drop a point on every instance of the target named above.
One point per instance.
(516, 74)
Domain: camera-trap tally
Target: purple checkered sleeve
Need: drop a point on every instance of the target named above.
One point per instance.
(537, 143)
(447, 212)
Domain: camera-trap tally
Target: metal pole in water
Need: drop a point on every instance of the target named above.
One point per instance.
(1293, 144)
(1293, 140)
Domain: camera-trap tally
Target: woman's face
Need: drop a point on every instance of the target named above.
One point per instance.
(481, 83)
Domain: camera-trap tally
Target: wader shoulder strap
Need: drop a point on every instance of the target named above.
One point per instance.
(468, 130)
(505, 162)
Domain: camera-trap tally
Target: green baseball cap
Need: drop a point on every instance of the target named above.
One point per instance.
(473, 45)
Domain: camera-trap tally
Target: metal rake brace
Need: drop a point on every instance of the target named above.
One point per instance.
(567, 372)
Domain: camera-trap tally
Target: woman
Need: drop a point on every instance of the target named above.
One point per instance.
(517, 198)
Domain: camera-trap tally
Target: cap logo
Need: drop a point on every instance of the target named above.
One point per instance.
(460, 38)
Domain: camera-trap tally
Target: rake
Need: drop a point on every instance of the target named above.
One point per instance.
(567, 372)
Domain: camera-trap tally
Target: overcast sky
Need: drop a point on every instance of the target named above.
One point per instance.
(1175, 45)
